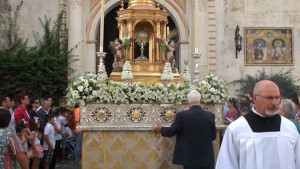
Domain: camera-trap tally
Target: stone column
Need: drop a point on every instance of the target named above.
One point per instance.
(75, 35)
(203, 39)
(184, 55)
(90, 65)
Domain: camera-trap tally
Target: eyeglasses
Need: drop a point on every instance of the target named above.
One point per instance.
(270, 98)
(37, 102)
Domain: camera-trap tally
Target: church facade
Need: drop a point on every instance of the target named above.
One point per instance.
(206, 27)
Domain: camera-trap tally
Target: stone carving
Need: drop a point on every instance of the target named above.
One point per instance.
(75, 3)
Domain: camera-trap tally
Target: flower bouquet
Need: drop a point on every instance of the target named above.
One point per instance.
(212, 89)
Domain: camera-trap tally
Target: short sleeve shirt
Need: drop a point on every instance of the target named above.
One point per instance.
(10, 146)
(49, 131)
(57, 135)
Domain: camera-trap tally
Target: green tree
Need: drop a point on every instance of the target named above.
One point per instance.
(40, 70)
(284, 79)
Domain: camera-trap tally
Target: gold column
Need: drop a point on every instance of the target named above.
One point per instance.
(120, 26)
(164, 37)
(158, 35)
(131, 34)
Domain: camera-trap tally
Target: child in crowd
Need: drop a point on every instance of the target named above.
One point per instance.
(63, 120)
(21, 132)
(36, 145)
(49, 140)
(58, 128)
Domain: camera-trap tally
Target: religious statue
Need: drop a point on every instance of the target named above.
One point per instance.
(171, 48)
(118, 51)
(168, 47)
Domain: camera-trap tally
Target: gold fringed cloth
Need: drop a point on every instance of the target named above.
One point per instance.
(127, 150)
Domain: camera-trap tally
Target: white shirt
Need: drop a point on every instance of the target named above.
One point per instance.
(49, 131)
(69, 131)
(36, 140)
(57, 135)
(244, 149)
(63, 122)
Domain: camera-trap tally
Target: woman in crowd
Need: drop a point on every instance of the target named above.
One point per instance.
(233, 112)
(35, 104)
(287, 109)
(21, 113)
(10, 147)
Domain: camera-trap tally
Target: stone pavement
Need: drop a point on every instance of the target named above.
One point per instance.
(69, 165)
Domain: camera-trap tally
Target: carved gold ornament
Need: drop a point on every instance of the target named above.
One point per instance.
(170, 114)
(102, 114)
(136, 114)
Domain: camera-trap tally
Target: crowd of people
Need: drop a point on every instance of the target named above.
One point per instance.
(289, 108)
(263, 132)
(36, 135)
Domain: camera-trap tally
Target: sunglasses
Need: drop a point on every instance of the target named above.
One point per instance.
(37, 102)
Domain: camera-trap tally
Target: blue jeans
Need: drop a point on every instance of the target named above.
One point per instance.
(78, 147)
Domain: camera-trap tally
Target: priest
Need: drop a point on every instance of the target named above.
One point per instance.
(261, 139)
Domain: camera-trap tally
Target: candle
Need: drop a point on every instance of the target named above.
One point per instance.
(196, 25)
(102, 25)
(168, 29)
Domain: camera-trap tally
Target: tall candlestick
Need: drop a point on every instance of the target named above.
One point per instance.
(168, 30)
(196, 25)
(102, 25)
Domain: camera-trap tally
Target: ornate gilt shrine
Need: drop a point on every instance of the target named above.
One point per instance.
(121, 136)
(144, 19)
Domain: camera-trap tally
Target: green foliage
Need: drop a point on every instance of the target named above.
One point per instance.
(127, 44)
(164, 47)
(40, 70)
(285, 81)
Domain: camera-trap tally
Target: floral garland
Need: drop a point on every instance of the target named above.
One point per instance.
(87, 89)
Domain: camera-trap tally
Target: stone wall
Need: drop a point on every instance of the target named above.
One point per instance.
(252, 13)
(30, 12)
(4, 5)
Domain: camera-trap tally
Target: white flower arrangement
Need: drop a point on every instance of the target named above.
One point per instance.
(87, 89)
(126, 73)
(167, 73)
(212, 89)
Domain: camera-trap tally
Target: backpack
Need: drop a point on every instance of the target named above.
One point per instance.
(71, 121)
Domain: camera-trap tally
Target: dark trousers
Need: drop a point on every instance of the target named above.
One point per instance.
(55, 154)
(187, 167)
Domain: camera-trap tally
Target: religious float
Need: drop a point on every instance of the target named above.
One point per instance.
(117, 115)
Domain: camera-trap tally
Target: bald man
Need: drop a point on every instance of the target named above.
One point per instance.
(261, 139)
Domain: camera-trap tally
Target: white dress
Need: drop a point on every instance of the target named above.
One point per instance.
(244, 149)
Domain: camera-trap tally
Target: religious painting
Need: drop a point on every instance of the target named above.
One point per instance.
(268, 46)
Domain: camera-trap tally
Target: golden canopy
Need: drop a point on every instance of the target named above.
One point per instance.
(144, 16)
